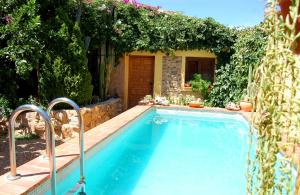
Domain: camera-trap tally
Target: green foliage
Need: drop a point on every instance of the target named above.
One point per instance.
(200, 85)
(5, 106)
(27, 136)
(148, 98)
(232, 79)
(185, 100)
(181, 99)
(36, 42)
(129, 28)
(96, 22)
(19, 48)
(65, 73)
(43, 52)
(19, 37)
(275, 124)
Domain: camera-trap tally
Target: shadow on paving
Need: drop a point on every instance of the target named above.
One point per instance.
(26, 150)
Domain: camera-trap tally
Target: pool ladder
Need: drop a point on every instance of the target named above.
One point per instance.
(50, 142)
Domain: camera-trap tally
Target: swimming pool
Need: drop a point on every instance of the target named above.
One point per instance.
(169, 151)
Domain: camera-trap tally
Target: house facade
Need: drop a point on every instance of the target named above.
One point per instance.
(158, 74)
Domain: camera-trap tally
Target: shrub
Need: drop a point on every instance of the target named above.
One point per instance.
(200, 85)
(65, 73)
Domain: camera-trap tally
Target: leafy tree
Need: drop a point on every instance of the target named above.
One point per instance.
(19, 48)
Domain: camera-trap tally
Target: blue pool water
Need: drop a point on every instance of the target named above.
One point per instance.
(170, 152)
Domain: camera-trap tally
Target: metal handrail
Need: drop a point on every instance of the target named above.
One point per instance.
(50, 143)
(81, 132)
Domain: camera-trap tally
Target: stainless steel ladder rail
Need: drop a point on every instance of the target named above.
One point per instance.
(50, 143)
(81, 134)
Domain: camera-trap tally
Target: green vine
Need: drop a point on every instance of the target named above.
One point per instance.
(275, 124)
(232, 79)
(144, 29)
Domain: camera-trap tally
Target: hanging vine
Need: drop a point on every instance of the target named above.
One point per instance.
(275, 131)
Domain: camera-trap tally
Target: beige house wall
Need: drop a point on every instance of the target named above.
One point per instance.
(119, 75)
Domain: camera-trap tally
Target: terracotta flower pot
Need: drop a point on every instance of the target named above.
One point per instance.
(284, 11)
(196, 105)
(246, 106)
(187, 85)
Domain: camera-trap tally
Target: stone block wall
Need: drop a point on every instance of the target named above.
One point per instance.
(171, 75)
(66, 121)
(190, 92)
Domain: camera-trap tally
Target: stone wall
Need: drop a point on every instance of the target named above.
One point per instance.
(171, 75)
(190, 92)
(66, 121)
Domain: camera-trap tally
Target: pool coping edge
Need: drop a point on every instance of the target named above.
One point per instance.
(36, 171)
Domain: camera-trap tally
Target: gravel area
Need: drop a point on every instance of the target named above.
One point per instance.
(26, 150)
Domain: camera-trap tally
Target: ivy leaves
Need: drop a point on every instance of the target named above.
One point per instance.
(131, 28)
(231, 80)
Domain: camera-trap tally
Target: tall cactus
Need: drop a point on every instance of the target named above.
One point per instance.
(276, 124)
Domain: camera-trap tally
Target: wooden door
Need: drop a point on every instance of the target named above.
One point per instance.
(141, 78)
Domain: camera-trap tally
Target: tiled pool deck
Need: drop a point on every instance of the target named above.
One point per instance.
(36, 171)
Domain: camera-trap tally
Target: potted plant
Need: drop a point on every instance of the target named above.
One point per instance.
(187, 99)
(233, 107)
(161, 101)
(246, 105)
(146, 100)
(198, 103)
(187, 85)
(200, 85)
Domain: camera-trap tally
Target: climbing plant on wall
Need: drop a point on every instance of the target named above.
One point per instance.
(141, 28)
(232, 79)
(128, 27)
(156, 31)
(274, 136)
